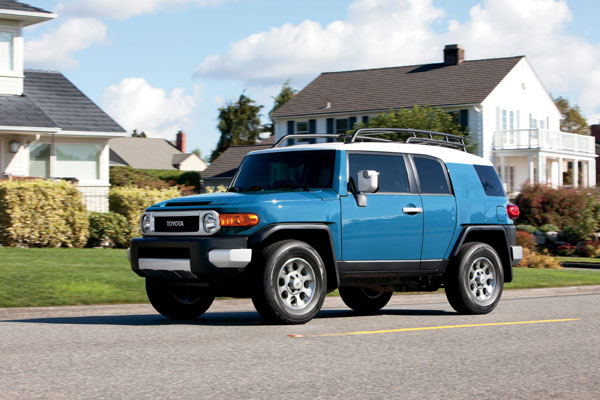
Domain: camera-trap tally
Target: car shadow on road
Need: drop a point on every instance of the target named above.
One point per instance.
(238, 318)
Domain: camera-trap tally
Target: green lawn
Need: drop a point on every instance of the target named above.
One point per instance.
(53, 277)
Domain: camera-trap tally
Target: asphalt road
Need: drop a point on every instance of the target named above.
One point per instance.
(129, 352)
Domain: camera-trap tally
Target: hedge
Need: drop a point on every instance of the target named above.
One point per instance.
(38, 213)
(131, 202)
(154, 178)
(108, 230)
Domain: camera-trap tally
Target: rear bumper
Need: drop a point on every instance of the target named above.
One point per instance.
(189, 257)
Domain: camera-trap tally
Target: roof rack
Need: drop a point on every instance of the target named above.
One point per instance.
(366, 134)
(448, 139)
(309, 136)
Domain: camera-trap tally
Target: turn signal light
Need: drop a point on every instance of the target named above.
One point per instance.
(238, 219)
(513, 211)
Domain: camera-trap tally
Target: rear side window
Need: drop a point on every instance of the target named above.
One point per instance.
(392, 171)
(432, 177)
(490, 181)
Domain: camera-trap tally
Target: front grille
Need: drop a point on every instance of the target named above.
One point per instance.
(177, 224)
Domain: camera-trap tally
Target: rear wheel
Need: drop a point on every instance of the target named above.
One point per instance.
(178, 302)
(291, 283)
(364, 300)
(474, 283)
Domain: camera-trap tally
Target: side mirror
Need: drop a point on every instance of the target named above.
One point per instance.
(368, 182)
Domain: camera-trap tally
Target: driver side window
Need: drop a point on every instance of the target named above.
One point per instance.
(393, 177)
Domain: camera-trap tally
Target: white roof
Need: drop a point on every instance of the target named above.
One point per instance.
(445, 154)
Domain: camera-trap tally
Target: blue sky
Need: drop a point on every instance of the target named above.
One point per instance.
(165, 65)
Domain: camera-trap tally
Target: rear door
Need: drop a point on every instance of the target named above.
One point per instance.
(386, 235)
(439, 209)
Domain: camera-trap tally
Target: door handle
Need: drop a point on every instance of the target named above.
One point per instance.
(412, 210)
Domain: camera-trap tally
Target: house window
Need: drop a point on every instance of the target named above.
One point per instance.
(80, 161)
(512, 120)
(541, 124)
(39, 160)
(302, 127)
(504, 119)
(341, 125)
(6, 50)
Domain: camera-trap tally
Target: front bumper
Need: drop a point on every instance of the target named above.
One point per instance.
(189, 257)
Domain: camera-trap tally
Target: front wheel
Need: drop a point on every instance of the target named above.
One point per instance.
(474, 283)
(291, 283)
(364, 300)
(178, 302)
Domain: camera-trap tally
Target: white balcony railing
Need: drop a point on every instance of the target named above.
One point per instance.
(543, 140)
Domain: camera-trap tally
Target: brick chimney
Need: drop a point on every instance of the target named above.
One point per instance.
(453, 54)
(595, 132)
(181, 141)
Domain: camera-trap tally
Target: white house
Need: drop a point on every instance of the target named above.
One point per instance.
(48, 127)
(502, 102)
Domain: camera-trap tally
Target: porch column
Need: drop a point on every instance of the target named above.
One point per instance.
(560, 171)
(541, 178)
(593, 173)
(52, 162)
(530, 169)
(575, 173)
(584, 174)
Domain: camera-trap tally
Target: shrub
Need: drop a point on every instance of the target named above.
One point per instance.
(549, 228)
(531, 259)
(154, 178)
(131, 202)
(541, 205)
(128, 176)
(565, 249)
(526, 228)
(217, 189)
(526, 239)
(38, 213)
(588, 249)
(108, 230)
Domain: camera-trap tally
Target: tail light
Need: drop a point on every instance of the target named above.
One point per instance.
(513, 211)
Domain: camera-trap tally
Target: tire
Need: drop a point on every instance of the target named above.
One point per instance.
(290, 284)
(178, 302)
(364, 300)
(475, 282)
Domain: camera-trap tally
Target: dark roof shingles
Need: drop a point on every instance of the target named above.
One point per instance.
(65, 104)
(228, 162)
(18, 6)
(21, 111)
(399, 87)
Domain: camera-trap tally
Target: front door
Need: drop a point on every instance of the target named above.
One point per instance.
(386, 235)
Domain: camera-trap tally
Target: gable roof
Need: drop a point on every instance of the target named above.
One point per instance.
(382, 89)
(50, 100)
(18, 6)
(228, 162)
(146, 153)
(65, 104)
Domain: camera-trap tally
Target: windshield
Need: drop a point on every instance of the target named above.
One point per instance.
(285, 170)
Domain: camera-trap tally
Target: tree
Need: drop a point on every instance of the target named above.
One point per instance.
(198, 152)
(424, 118)
(571, 119)
(239, 124)
(284, 96)
(138, 134)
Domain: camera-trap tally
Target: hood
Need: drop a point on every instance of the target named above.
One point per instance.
(230, 198)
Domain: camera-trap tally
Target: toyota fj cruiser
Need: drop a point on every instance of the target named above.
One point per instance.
(363, 214)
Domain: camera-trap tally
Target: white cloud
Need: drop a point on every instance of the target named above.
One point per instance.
(137, 105)
(381, 33)
(54, 49)
(123, 9)
(375, 33)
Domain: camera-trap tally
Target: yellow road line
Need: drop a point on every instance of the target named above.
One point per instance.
(431, 328)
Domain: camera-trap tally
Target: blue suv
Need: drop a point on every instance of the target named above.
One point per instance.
(364, 214)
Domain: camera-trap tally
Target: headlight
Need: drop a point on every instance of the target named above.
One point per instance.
(145, 224)
(210, 223)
